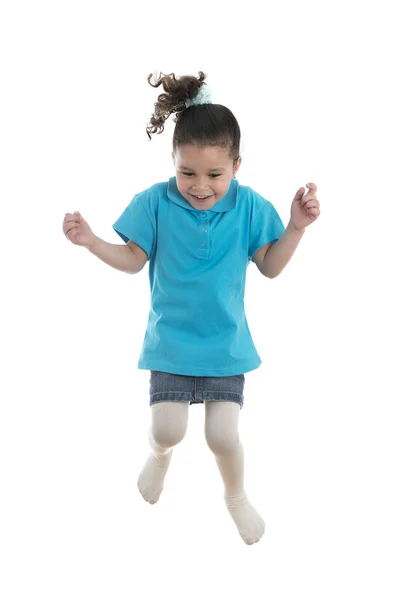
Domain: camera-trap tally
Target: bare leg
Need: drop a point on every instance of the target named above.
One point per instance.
(221, 430)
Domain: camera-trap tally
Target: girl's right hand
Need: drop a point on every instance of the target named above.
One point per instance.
(77, 230)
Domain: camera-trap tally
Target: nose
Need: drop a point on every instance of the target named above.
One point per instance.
(199, 185)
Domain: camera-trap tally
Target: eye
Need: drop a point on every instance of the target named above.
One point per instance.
(213, 175)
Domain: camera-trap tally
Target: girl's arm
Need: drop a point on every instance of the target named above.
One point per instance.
(129, 257)
(279, 254)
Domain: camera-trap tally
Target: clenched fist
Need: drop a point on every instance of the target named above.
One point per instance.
(77, 230)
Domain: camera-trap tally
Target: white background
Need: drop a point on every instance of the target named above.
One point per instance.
(314, 87)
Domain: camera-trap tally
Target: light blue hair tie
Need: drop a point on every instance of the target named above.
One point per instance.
(203, 97)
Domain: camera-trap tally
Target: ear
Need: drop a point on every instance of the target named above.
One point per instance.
(237, 166)
(173, 157)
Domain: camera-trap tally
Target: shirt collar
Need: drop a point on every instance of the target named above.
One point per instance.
(226, 203)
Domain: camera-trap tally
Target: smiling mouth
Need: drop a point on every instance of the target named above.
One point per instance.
(201, 198)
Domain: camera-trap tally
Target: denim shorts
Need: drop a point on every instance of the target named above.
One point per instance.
(187, 388)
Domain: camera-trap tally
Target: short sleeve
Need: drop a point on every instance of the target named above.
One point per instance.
(138, 224)
(266, 227)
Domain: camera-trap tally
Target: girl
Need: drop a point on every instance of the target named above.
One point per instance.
(199, 231)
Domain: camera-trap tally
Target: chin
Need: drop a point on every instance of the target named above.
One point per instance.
(203, 205)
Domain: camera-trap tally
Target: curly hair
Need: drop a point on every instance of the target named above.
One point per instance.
(202, 124)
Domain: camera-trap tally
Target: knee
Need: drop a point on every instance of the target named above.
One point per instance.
(221, 442)
(167, 435)
(169, 423)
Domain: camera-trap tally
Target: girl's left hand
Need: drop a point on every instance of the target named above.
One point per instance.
(305, 209)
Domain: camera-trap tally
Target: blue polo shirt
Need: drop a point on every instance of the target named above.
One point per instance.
(197, 269)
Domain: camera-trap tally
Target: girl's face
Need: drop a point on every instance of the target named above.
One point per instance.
(203, 172)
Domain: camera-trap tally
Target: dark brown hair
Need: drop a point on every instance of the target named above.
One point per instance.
(202, 124)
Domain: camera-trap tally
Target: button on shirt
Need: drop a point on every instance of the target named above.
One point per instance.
(197, 270)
